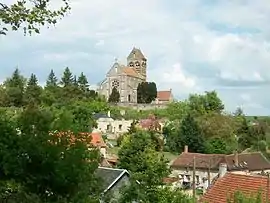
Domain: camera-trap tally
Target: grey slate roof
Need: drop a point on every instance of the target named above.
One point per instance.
(100, 115)
(109, 176)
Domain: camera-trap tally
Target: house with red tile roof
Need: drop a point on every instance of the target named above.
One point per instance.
(91, 139)
(207, 166)
(151, 123)
(164, 97)
(226, 186)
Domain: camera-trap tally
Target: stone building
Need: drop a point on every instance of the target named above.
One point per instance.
(125, 77)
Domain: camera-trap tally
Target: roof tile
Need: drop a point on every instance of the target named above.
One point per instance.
(254, 161)
(164, 95)
(229, 184)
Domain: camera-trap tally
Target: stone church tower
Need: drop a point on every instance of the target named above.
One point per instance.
(138, 62)
(125, 78)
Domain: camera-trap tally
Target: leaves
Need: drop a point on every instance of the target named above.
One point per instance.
(114, 96)
(30, 15)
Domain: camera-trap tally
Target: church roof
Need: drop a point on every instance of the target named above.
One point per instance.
(136, 53)
(131, 72)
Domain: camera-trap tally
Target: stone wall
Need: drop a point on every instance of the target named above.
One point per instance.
(143, 106)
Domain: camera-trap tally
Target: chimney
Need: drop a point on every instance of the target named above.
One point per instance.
(186, 149)
(236, 161)
(222, 169)
(109, 114)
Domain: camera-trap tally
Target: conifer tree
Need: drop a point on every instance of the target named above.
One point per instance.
(83, 83)
(52, 80)
(67, 78)
(33, 91)
(115, 96)
(191, 135)
(15, 89)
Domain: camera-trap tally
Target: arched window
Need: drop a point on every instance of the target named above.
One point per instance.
(131, 64)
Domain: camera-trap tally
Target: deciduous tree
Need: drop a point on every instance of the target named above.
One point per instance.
(148, 167)
(146, 92)
(30, 15)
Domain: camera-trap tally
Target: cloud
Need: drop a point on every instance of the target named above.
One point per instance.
(191, 46)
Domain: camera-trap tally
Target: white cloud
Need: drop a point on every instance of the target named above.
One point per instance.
(228, 40)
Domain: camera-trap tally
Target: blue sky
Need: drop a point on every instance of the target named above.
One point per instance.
(192, 46)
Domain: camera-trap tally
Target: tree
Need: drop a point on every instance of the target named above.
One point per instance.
(202, 104)
(30, 15)
(146, 92)
(83, 83)
(52, 80)
(44, 163)
(67, 78)
(33, 91)
(191, 135)
(219, 131)
(15, 87)
(51, 93)
(137, 154)
(115, 96)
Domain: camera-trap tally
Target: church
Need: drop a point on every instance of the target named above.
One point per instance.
(127, 77)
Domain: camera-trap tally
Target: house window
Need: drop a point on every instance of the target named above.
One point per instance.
(197, 179)
(120, 127)
(108, 127)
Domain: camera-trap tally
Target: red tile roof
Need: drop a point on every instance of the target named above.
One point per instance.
(151, 123)
(229, 184)
(94, 139)
(252, 161)
(97, 140)
(164, 95)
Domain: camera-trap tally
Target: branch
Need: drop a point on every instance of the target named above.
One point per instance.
(4, 6)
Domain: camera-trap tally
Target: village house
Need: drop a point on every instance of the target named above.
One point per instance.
(113, 180)
(207, 166)
(112, 127)
(164, 97)
(150, 123)
(229, 183)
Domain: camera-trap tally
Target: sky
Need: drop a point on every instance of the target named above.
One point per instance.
(192, 46)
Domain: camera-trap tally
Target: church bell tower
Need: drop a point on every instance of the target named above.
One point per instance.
(138, 62)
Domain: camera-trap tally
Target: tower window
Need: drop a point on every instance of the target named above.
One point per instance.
(131, 64)
(137, 63)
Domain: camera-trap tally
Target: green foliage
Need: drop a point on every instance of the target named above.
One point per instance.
(191, 135)
(14, 88)
(30, 15)
(239, 197)
(114, 96)
(146, 92)
(137, 154)
(33, 91)
(41, 164)
(52, 80)
(201, 104)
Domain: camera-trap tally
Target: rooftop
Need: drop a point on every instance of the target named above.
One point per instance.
(229, 184)
(254, 161)
(164, 95)
(110, 176)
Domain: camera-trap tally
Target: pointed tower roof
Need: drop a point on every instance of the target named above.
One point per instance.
(136, 53)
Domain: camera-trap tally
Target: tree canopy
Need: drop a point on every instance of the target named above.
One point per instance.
(30, 15)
